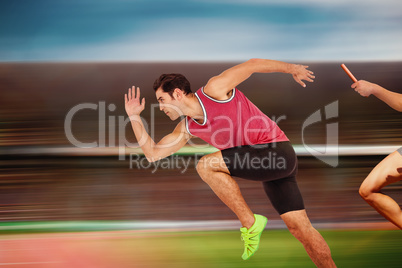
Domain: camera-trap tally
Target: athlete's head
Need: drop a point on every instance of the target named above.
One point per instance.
(169, 82)
(169, 90)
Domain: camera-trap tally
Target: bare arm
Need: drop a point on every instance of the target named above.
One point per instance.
(393, 99)
(168, 145)
(219, 86)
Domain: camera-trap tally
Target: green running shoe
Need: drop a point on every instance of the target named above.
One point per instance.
(251, 237)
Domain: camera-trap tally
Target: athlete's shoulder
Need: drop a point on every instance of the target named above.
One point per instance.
(227, 98)
(216, 89)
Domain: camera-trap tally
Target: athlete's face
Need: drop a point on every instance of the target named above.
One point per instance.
(168, 104)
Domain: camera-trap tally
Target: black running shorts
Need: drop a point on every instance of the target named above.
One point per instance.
(275, 165)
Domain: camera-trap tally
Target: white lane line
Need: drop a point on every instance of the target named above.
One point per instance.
(299, 148)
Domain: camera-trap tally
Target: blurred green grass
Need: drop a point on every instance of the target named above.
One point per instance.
(278, 248)
(214, 249)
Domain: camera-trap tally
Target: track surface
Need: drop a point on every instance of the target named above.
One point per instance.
(160, 248)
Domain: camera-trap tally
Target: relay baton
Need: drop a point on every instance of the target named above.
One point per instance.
(348, 72)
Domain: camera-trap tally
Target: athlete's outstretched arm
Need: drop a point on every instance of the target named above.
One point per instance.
(219, 86)
(393, 99)
(168, 145)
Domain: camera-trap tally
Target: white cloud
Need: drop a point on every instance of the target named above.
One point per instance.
(360, 44)
(236, 40)
(180, 40)
(368, 8)
(361, 3)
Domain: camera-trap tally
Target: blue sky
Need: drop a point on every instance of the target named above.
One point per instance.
(204, 30)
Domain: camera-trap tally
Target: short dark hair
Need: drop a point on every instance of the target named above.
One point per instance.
(168, 82)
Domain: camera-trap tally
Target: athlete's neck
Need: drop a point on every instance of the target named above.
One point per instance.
(193, 108)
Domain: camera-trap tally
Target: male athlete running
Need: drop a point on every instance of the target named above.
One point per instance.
(388, 170)
(251, 147)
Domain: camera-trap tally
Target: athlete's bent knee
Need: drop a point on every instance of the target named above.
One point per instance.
(299, 228)
(365, 192)
(210, 162)
(203, 166)
(200, 166)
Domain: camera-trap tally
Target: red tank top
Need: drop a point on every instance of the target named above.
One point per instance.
(233, 122)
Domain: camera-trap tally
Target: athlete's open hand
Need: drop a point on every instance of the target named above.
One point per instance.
(132, 102)
(300, 73)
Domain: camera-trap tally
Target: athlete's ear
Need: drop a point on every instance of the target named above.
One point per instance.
(177, 93)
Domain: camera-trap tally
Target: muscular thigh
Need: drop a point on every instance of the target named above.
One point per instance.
(284, 195)
(263, 162)
(387, 171)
